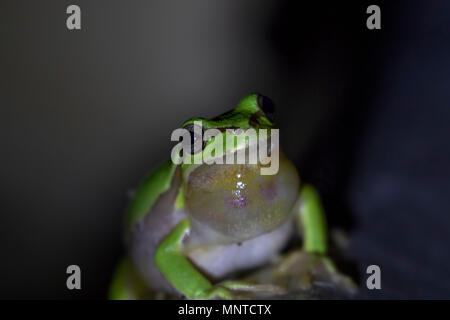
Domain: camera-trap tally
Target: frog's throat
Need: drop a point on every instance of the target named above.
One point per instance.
(188, 168)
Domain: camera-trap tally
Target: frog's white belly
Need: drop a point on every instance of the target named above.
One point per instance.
(218, 261)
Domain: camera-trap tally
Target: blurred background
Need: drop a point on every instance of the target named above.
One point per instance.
(364, 114)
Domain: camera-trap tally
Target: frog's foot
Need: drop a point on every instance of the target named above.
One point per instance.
(216, 292)
(249, 290)
(303, 270)
(234, 289)
(305, 275)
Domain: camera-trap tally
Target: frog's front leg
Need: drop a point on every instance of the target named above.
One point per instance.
(180, 272)
(311, 221)
(302, 270)
(297, 271)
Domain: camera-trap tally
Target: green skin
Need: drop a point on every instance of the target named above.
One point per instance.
(170, 257)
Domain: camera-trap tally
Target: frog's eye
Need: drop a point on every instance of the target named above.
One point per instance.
(267, 106)
(197, 143)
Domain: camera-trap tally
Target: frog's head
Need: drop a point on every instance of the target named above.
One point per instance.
(235, 199)
(254, 111)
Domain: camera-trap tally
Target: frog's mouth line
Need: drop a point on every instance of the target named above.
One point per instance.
(188, 168)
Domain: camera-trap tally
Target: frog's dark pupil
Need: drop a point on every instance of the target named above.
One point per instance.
(193, 138)
(196, 145)
(266, 104)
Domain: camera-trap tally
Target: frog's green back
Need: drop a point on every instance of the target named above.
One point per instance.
(155, 183)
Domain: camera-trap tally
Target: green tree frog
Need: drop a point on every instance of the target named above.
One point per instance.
(191, 227)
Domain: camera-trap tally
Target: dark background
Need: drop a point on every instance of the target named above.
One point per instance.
(85, 114)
